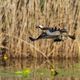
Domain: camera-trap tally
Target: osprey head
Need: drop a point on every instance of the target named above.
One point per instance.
(39, 26)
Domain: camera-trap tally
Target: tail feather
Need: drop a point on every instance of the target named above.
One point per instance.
(32, 39)
(72, 37)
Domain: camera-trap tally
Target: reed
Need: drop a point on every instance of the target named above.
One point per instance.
(18, 19)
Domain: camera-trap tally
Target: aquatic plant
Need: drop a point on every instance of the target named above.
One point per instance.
(40, 72)
(5, 56)
(25, 72)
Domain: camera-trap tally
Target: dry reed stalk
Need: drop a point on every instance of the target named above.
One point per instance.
(20, 17)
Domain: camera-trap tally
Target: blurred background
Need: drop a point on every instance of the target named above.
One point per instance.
(18, 20)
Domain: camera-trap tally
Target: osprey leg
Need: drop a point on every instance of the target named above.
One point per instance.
(39, 37)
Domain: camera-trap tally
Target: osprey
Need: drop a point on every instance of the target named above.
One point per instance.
(56, 34)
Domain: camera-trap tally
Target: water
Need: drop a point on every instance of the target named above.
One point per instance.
(40, 69)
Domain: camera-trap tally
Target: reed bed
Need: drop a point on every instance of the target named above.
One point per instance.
(18, 19)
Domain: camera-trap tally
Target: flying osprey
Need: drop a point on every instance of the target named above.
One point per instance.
(56, 34)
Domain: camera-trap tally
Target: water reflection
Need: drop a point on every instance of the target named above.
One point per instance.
(13, 65)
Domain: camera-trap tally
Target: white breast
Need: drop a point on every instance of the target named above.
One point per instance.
(55, 33)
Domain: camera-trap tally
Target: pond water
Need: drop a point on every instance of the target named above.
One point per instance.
(34, 69)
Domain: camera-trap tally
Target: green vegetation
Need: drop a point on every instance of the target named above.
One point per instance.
(42, 72)
(24, 73)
